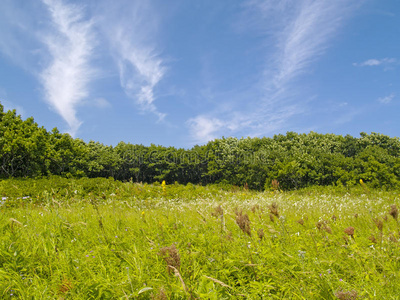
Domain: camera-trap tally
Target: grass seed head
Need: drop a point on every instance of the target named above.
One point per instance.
(171, 257)
(275, 185)
(372, 238)
(346, 295)
(161, 295)
(328, 229)
(273, 208)
(243, 222)
(271, 217)
(255, 208)
(65, 286)
(218, 211)
(378, 223)
(349, 231)
(394, 212)
(260, 233)
(319, 224)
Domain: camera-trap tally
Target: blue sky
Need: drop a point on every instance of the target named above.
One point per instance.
(180, 73)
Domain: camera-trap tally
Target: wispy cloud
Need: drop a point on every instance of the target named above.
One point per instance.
(305, 38)
(131, 28)
(70, 45)
(301, 31)
(376, 62)
(387, 99)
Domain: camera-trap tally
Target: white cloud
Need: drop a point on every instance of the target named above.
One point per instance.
(376, 62)
(204, 128)
(100, 103)
(387, 99)
(70, 45)
(131, 28)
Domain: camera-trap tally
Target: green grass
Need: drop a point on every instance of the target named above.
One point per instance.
(107, 241)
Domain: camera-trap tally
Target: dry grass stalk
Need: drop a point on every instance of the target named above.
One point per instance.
(222, 284)
(394, 212)
(356, 216)
(15, 222)
(243, 222)
(346, 295)
(273, 208)
(177, 274)
(219, 282)
(301, 222)
(171, 257)
(334, 218)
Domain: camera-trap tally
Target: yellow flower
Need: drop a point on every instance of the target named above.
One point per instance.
(361, 181)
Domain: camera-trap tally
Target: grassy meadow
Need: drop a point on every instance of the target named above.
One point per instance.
(103, 239)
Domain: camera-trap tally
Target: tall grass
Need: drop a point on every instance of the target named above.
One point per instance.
(132, 241)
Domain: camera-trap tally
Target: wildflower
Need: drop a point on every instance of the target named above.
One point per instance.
(164, 188)
(361, 181)
(302, 253)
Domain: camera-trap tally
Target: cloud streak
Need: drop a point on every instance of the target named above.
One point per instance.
(376, 62)
(387, 99)
(302, 31)
(130, 29)
(70, 44)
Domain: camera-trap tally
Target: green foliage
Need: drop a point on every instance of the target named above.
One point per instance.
(294, 160)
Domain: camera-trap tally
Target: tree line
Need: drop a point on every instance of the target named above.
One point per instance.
(292, 160)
